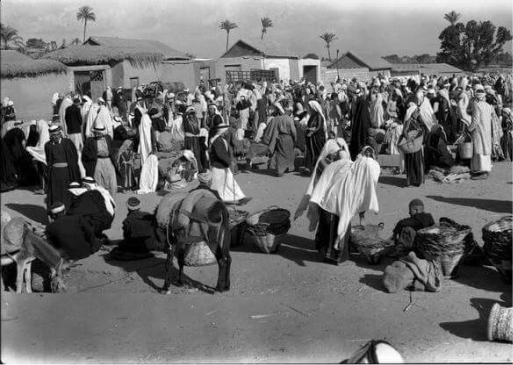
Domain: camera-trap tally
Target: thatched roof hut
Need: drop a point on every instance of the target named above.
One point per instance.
(15, 64)
(109, 50)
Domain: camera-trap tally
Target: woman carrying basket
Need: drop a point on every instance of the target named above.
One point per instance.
(414, 128)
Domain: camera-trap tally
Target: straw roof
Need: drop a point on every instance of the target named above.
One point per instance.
(439, 68)
(15, 64)
(139, 45)
(107, 50)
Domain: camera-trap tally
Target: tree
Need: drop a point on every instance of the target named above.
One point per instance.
(266, 23)
(35, 43)
(227, 25)
(75, 42)
(328, 38)
(452, 17)
(86, 13)
(393, 58)
(10, 39)
(472, 45)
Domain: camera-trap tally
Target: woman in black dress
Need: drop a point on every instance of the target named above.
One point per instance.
(315, 135)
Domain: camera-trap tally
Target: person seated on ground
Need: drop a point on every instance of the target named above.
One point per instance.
(138, 233)
(78, 234)
(57, 210)
(205, 183)
(406, 229)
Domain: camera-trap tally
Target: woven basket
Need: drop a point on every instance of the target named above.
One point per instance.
(265, 226)
(500, 324)
(237, 226)
(199, 254)
(446, 244)
(411, 144)
(368, 242)
(497, 239)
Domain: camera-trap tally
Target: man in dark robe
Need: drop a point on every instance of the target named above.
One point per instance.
(360, 126)
(62, 162)
(79, 233)
(192, 140)
(15, 141)
(7, 168)
(73, 118)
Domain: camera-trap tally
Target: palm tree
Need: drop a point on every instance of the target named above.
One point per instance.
(227, 25)
(328, 38)
(85, 13)
(452, 17)
(266, 23)
(9, 38)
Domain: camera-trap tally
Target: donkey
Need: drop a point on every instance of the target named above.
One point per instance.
(34, 246)
(177, 214)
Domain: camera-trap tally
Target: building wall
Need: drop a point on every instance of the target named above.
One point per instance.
(183, 72)
(330, 75)
(32, 96)
(246, 63)
(309, 62)
(294, 69)
(282, 64)
(145, 75)
(384, 73)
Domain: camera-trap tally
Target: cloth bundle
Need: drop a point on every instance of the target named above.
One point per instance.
(410, 271)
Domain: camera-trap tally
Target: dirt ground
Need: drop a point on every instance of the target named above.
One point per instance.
(286, 307)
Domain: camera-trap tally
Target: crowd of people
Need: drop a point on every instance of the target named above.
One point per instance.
(165, 140)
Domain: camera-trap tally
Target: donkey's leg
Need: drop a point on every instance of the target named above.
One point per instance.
(181, 262)
(221, 261)
(169, 267)
(20, 272)
(28, 277)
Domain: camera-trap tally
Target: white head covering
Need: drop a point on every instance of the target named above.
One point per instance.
(317, 107)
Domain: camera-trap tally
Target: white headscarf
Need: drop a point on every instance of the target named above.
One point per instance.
(91, 116)
(317, 107)
(103, 117)
(38, 151)
(67, 102)
(55, 97)
(145, 146)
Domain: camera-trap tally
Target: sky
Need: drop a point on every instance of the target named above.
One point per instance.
(402, 27)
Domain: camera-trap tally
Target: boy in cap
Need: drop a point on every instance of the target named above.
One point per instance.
(406, 229)
(138, 234)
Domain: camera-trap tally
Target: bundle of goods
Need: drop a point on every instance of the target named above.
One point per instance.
(497, 245)
(267, 226)
(13, 231)
(368, 241)
(445, 244)
(237, 226)
(453, 175)
(500, 324)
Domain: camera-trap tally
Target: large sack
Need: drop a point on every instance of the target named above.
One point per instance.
(13, 234)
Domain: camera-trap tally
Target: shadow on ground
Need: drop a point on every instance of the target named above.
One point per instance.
(475, 329)
(374, 281)
(294, 248)
(393, 180)
(154, 268)
(497, 206)
(33, 212)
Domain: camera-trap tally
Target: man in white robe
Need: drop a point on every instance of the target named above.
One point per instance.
(481, 133)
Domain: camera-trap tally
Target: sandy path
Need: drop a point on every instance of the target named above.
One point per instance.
(307, 311)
